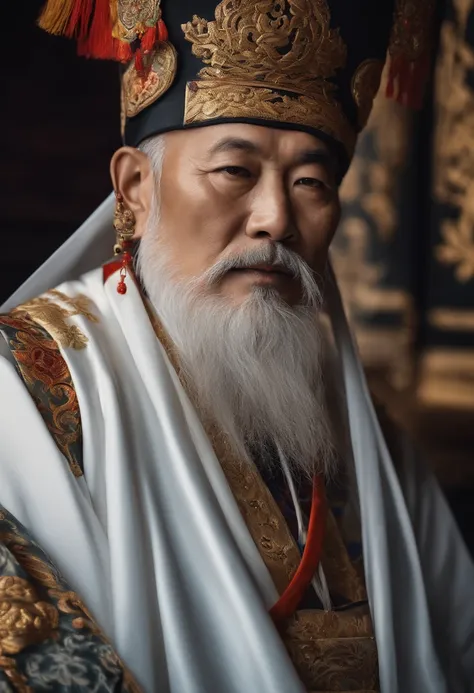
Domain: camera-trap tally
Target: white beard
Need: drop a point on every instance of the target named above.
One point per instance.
(255, 369)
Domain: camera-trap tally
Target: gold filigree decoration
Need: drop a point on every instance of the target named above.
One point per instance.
(334, 651)
(53, 310)
(134, 18)
(68, 602)
(24, 618)
(211, 100)
(365, 85)
(254, 49)
(141, 90)
(454, 135)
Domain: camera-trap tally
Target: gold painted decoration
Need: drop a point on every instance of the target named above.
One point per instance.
(207, 100)
(365, 85)
(24, 618)
(140, 90)
(28, 621)
(47, 378)
(268, 60)
(135, 18)
(53, 310)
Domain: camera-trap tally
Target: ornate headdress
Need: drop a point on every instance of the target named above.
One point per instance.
(312, 65)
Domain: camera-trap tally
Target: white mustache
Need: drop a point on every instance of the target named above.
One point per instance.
(269, 254)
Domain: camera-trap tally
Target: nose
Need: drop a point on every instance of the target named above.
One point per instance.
(270, 215)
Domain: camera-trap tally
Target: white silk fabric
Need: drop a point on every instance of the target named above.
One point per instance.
(151, 536)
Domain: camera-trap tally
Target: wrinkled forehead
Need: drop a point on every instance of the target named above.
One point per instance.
(279, 145)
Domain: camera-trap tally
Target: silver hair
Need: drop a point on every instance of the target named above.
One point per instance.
(154, 148)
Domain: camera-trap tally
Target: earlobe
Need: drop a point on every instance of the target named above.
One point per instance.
(132, 178)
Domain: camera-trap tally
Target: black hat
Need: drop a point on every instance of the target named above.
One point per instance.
(311, 65)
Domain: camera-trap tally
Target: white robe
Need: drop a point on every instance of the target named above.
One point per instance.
(153, 541)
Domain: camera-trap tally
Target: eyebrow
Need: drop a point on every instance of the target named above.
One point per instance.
(316, 155)
(232, 143)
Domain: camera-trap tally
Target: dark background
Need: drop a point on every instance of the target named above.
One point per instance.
(59, 125)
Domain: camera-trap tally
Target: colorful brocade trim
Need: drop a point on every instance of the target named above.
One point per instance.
(47, 378)
(48, 639)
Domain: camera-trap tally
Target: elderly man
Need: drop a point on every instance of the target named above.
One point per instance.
(191, 465)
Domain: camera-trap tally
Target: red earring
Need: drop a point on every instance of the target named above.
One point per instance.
(124, 224)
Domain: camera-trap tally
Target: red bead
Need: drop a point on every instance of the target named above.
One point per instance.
(122, 287)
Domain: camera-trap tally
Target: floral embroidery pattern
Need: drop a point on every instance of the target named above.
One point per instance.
(47, 378)
(60, 648)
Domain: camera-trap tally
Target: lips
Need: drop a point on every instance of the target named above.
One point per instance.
(270, 269)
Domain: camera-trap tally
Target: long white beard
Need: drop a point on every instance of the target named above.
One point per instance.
(255, 369)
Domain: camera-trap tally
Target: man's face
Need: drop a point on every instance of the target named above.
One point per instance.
(229, 189)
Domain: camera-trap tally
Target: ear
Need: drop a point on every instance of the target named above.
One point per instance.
(133, 178)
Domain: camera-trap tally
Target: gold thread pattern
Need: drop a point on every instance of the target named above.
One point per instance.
(24, 618)
(208, 100)
(46, 375)
(141, 90)
(56, 627)
(287, 47)
(134, 18)
(52, 311)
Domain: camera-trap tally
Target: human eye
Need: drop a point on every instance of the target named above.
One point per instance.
(311, 183)
(235, 171)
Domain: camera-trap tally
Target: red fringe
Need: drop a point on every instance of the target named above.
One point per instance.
(139, 64)
(162, 31)
(148, 40)
(124, 51)
(100, 43)
(79, 20)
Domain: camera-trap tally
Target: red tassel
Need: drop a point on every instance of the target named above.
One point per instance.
(162, 31)
(139, 65)
(148, 40)
(100, 42)
(80, 18)
(123, 51)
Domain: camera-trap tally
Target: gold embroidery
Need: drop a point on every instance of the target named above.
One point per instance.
(340, 572)
(454, 134)
(24, 618)
(210, 100)
(139, 91)
(365, 85)
(67, 601)
(133, 18)
(53, 316)
(253, 48)
(47, 377)
(333, 648)
(19, 682)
